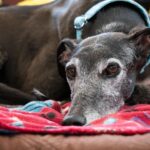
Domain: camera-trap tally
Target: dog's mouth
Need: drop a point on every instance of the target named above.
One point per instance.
(83, 116)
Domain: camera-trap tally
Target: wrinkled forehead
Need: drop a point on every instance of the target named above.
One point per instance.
(103, 47)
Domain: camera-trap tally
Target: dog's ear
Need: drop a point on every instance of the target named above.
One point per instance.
(64, 52)
(141, 40)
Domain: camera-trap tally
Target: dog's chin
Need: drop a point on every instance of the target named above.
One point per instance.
(94, 115)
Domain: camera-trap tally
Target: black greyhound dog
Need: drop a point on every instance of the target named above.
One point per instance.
(101, 70)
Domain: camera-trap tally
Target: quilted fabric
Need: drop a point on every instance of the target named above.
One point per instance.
(46, 117)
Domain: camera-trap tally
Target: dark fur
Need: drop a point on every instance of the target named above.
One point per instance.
(28, 43)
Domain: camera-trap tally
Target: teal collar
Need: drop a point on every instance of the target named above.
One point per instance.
(80, 21)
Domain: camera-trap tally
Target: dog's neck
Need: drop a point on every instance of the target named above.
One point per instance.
(114, 19)
(114, 27)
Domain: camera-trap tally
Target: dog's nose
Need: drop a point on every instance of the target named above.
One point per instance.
(74, 120)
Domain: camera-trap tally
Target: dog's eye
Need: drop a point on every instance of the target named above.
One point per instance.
(112, 70)
(71, 72)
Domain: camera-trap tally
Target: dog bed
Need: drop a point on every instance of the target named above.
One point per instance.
(62, 142)
(127, 129)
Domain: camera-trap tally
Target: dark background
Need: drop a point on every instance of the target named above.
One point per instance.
(145, 3)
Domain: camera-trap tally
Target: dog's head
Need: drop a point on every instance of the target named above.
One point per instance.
(101, 72)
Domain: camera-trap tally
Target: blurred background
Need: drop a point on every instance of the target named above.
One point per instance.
(23, 2)
(145, 3)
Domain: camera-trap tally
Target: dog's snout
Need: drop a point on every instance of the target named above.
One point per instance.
(74, 120)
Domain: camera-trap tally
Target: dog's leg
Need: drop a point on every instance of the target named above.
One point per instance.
(9, 95)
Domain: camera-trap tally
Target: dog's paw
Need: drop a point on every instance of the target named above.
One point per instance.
(38, 95)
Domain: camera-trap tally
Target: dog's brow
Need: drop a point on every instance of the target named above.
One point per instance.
(111, 60)
(73, 61)
(102, 65)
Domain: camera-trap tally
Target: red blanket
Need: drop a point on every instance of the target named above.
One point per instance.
(46, 117)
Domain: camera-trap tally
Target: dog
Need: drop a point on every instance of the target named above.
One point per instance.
(103, 71)
(34, 66)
